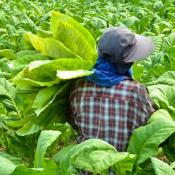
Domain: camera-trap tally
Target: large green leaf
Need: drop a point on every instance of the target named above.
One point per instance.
(46, 138)
(44, 100)
(93, 155)
(65, 31)
(55, 111)
(32, 76)
(6, 166)
(145, 140)
(6, 89)
(173, 165)
(21, 122)
(8, 95)
(57, 17)
(44, 96)
(23, 59)
(35, 74)
(50, 105)
(163, 96)
(29, 84)
(13, 159)
(60, 64)
(160, 113)
(168, 78)
(50, 47)
(161, 168)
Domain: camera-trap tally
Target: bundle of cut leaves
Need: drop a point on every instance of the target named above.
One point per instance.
(71, 52)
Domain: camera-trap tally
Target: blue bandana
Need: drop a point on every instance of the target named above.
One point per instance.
(105, 74)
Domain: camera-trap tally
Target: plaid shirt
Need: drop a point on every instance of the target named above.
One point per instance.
(109, 113)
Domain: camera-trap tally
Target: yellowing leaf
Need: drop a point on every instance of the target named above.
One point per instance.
(50, 47)
(73, 35)
(73, 74)
(56, 16)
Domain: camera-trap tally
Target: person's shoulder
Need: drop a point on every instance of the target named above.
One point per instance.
(132, 84)
(83, 85)
(133, 87)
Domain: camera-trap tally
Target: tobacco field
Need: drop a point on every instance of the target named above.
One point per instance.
(47, 44)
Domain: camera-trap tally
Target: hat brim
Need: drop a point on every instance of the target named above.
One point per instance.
(143, 48)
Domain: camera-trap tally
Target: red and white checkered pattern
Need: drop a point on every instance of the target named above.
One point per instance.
(109, 113)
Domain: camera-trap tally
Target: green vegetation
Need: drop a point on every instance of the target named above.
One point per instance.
(46, 44)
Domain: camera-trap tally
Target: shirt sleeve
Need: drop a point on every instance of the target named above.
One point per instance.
(145, 106)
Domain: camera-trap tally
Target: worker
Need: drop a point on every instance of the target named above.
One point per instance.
(109, 104)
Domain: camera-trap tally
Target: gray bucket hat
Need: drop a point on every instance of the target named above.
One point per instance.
(120, 45)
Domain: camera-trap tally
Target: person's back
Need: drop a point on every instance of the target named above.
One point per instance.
(109, 113)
